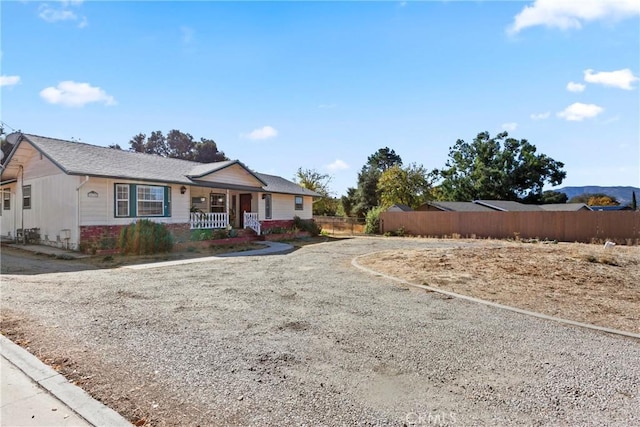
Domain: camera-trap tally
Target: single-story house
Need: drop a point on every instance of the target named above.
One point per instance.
(399, 207)
(508, 206)
(500, 206)
(72, 194)
(454, 207)
(612, 208)
(566, 207)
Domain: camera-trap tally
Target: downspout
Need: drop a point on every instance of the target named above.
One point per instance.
(86, 179)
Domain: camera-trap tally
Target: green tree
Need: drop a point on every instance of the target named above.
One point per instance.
(634, 203)
(409, 186)
(207, 152)
(313, 180)
(384, 159)
(177, 145)
(346, 202)
(499, 168)
(138, 143)
(180, 145)
(549, 197)
(157, 144)
(366, 196)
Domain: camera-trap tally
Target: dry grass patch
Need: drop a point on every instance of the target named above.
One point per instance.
(581, 282)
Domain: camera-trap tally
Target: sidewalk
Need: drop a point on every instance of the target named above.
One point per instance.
(33, 394)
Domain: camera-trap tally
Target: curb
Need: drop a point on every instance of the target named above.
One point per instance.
(78, 400)
(354, 262)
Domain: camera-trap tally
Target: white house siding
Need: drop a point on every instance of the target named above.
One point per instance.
(100, 210)
(283, 207)
(8, 217)
(234, 174)
(53, 208)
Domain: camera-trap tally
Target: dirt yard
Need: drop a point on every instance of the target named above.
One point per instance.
(307, 339)
(585, 283)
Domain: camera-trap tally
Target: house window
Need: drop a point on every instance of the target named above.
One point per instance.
(133, 200)
(122, 199)
(6, 200)
(267, 206)
(298, 201)
(150, 200)
(26, 197)
(218, 202)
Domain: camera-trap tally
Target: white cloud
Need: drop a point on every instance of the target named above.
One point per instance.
(337, 165)
(621, 78)
(540, 116)
(9, 80)
(264, 132)
(575, 87)
(72, 94)
(566, 14)
(62, 11)
(578, 111)
(510, 127)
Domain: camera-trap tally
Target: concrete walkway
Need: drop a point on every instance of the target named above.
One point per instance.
(49, 250)
(33, 394)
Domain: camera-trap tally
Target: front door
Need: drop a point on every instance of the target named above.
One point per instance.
(245, 206)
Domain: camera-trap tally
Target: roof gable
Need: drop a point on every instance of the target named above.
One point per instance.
(76, 158)
(227, 172)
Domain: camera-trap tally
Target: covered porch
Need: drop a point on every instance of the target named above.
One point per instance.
(215, 208)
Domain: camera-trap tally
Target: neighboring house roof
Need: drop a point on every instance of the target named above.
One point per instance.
(399, 207)
(277, 184)
(611, 208)
(77, 158)
(565, 207)
(508, 206)
(459, 207)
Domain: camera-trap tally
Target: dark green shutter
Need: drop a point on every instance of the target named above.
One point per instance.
(167, 201)
(133, 200)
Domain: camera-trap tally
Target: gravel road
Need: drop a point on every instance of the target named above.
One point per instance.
(307, 339)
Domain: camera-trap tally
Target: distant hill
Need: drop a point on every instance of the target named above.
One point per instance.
(622, 194)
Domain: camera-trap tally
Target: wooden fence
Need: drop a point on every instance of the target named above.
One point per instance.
(340, 225)
(582, 226)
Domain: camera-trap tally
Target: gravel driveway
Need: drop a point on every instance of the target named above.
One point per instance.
(306, 339)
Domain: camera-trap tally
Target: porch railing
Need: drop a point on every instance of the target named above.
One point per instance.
(251, 221)
(208, 220)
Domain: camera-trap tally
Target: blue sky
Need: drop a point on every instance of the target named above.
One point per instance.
(322, 85)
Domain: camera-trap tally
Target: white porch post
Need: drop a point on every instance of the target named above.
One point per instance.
(227, 207)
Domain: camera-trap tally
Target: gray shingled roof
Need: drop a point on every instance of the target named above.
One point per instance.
(399, 207)
(564, 207)
(277, 184)
(460, 207)
(76, 158)
(508, 206)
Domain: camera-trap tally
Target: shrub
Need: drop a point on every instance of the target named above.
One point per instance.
(145, 237)
(308, 225)
(372, 221)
